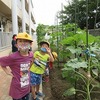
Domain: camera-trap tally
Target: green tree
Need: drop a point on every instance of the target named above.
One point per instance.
(78, 8)
(40, 32)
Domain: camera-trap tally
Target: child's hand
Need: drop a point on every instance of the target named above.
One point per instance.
(9, 73)
(48, 50)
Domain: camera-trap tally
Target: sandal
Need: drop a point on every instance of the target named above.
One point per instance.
(39, 94)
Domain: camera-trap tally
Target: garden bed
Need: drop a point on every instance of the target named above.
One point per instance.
(56, 86)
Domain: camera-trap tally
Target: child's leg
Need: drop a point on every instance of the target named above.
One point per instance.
(47, 75)
(33, 78)
(33, 92)
(47, 78)
(38, 93)
(38, 83)
(37, 88)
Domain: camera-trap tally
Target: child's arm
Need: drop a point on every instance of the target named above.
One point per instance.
(51, 58)
(31, 62)
(7, 71)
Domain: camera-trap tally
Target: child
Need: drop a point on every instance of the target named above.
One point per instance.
(50, 66)
(38, 68)
(55, 57)
(19, 63)
(14, 48)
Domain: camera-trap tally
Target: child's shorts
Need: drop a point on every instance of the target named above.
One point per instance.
(35, 79)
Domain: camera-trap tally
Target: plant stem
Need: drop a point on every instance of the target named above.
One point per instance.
(88, 81)
(88, 90)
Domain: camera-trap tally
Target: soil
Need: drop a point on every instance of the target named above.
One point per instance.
(56, 86)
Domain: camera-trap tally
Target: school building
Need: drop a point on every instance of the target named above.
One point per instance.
(15, 16)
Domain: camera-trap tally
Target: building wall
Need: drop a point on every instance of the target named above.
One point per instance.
(6, 20)
(7, 3)
(6, 12)
(8, 27)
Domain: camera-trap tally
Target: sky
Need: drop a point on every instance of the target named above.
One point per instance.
(45, 10)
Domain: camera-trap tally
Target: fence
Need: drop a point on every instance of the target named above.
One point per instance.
(5, 40)
(95, 32)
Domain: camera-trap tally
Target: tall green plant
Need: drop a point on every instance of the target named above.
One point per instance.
(81, 64)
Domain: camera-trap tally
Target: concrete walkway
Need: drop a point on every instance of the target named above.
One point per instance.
(4, 85)
(5, 79)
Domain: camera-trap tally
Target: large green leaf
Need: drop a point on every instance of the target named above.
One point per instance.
(74, 63)
(82, 36)
(74, 50)
(70, 92)
(95, 72)
(69, 40)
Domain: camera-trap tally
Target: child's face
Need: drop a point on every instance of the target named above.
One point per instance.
(23, 45)
(44, 48)
(15, 37)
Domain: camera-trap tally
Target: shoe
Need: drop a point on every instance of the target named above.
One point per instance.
(39, 94)
(36, 98)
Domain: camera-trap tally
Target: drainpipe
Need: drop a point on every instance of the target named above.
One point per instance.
(14, 17)
(23, 16)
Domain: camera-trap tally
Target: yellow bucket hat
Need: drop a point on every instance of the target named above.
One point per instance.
(54, 55)
(25, 36)
(44, 42)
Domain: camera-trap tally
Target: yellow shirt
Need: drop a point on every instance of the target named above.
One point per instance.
(40, 63)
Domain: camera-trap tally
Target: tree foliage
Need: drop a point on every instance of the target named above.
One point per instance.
(78, 8)
(40, 32)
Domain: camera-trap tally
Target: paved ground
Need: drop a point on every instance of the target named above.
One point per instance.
(4, 85)
(5, 79)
